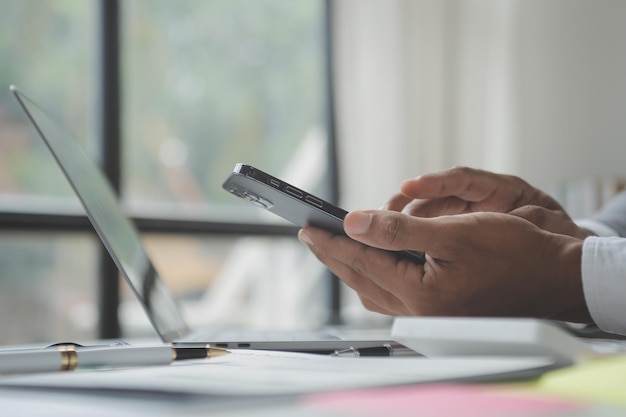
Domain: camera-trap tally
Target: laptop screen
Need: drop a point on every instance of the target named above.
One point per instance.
(116, 231)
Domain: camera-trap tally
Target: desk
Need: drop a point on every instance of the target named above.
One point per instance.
(278, 383)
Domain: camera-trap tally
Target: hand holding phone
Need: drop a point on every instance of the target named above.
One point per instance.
(291, 203)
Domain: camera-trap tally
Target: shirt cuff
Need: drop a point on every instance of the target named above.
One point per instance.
(604, 282)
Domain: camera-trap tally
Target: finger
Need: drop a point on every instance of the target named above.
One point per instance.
(372, 306)
(437, 207)
(397, 202)
(373, 296)
(393, 231)
(485, 190)
(534, 214)
(376, 275)
(467, 183)
(554, 221)
(343, 257)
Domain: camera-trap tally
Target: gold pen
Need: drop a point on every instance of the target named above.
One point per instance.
(68, 357)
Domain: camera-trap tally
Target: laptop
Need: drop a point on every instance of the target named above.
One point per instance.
(123, 242)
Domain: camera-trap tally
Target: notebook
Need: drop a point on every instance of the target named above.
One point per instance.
(123, 242)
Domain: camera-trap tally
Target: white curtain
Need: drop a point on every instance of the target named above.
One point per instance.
(535, 88)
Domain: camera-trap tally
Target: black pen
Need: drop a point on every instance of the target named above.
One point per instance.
(185, 353)
(384, 350)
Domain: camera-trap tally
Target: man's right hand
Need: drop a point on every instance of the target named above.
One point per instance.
(466, 190)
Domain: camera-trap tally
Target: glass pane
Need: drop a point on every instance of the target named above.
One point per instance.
(47, 49)
(209, 83)
(48, 287)
(251, 282)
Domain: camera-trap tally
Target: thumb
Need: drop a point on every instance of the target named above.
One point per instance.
(389, 230)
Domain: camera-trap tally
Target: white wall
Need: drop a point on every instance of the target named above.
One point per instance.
(535, 88)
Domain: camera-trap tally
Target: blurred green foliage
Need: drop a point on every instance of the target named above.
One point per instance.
(229, 80)
(205, 84)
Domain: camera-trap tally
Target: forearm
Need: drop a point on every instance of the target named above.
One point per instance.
(566, 274)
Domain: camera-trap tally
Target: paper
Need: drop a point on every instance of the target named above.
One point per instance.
(423, 400)
(249, 372)
(441, 401)
(489, 336)
(600, 380)
(41, 403)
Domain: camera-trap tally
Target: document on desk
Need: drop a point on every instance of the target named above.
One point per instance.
(437, 337)
(250, 372)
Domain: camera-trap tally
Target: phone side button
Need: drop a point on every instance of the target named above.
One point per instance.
(313, 200)
(294, 191)
(258, 200)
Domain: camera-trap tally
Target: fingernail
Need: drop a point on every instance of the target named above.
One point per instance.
(304, 238)
(357, 223)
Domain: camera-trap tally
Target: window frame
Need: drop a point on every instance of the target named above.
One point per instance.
(108, 110)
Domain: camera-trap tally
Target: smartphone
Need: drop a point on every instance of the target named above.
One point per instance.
(291, 203)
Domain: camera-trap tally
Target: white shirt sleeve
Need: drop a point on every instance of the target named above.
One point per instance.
(604, 282)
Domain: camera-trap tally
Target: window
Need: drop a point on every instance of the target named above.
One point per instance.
(200, 86)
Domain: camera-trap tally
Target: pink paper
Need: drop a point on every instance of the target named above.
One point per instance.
(439, 401)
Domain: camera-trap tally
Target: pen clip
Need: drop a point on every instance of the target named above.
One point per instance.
(351, 351)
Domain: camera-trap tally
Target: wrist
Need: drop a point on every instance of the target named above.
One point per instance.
(568, 274)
